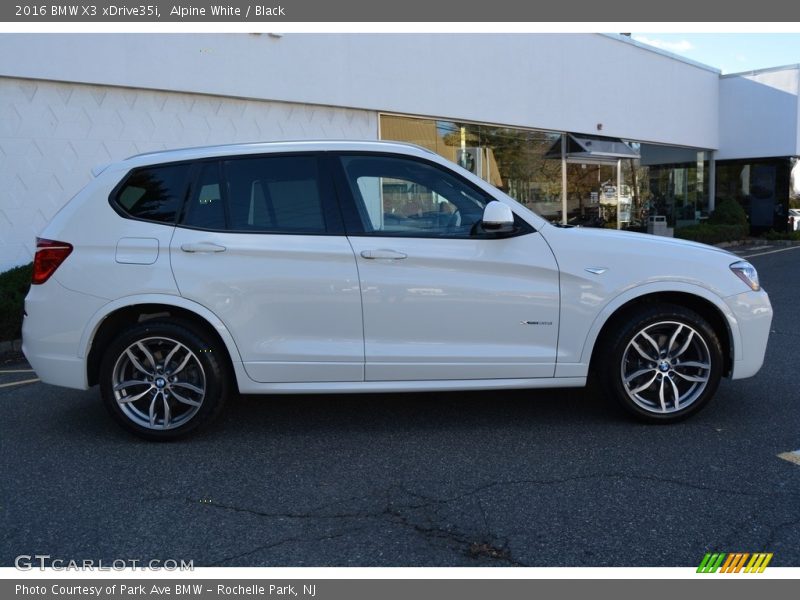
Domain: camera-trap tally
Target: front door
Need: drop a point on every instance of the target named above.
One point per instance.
(441, 298)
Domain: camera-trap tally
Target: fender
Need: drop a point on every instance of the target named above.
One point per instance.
(178, 301)
(638, 291)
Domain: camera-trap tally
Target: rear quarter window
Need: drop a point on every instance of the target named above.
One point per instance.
(153, 193)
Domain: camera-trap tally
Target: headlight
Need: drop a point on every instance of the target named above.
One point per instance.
(747, 273)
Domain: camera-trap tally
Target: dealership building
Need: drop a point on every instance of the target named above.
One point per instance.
(586, 128)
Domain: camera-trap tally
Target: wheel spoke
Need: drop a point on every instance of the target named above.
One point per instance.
(183, 364)
(126, 384)
(646, 385)
(653, 343)
(675, 391)
(661, 396)
(674, 338)
(167, 415)
(692, 364)
(137, 365)
(149, 356)
(172, 352)
(152, 412)
(698, 379)
(685, 346)
(637, 374)
(642, 353)
(184, 400)
(188, 386)
(134, 398)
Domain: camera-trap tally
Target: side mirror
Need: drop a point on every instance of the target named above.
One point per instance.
(497, 218)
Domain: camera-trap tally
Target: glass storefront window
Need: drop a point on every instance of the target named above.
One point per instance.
(510, 159)
(763, 187)
(527, 165)
(677, 183)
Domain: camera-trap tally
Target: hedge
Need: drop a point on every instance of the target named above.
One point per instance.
(773, 235)
(707, 233)
(14, 286)
(728, 212)
(728, 223)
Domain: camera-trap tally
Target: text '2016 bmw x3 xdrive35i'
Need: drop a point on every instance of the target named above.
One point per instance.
(175, 278)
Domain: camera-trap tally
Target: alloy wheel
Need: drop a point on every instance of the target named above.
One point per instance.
(666, 367)
(158, 383)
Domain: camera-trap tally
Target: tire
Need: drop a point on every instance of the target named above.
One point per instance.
(161, 380)
(688, 367)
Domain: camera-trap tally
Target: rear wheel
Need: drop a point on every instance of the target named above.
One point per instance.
(160, 380)
(663, 364)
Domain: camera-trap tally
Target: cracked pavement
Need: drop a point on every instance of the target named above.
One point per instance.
(519, 478)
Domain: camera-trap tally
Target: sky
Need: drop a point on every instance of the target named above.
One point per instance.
(730, 52)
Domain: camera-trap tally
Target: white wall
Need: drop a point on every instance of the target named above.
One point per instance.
(758, 115)
(70, 101)
(567, 82)
(52, 134)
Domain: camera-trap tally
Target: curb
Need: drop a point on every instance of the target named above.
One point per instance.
(12, 346)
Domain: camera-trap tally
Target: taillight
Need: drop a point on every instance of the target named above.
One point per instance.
(49, 256)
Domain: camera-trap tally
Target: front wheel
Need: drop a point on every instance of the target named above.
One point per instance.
(663, 364)
(160, 380)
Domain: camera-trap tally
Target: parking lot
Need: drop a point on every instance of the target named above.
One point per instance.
(545, 478)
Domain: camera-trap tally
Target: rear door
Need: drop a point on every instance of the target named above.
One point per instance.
(261, 245)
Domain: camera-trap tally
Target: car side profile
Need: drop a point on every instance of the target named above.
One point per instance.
(175, 279)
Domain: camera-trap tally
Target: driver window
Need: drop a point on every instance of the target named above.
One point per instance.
(398, 196)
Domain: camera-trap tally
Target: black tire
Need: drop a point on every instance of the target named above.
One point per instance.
(205, 368)
(619, 360)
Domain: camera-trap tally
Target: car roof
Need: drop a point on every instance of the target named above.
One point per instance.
(181, 154)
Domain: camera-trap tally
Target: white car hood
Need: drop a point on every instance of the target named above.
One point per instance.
(629, 259)
(632, 240)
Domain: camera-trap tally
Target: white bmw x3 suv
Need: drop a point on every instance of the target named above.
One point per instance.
(175, 278)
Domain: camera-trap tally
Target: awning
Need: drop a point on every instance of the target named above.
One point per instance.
(592, 149)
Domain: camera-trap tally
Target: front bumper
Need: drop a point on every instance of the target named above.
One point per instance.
(753, 314)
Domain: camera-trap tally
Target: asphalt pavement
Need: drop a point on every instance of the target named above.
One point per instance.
(538, 478)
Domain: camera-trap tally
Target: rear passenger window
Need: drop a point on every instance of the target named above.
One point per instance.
(154, 193)
(278, 194)
(206, 209)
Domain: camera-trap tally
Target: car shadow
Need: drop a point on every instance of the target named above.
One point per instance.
(415, 411)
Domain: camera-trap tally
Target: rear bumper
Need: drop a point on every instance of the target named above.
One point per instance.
(51, 333)
(753, 313)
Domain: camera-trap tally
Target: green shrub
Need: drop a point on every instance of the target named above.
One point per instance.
(773, 235)
(728, 212)
(14, 285)
(707, 233)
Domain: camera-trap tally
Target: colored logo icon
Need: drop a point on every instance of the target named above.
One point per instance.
(734, 562)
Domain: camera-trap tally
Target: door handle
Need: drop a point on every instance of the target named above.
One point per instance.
(384, 254)
(202, 247)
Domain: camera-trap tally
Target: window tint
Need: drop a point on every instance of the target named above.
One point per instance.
(205, 208)
(154, 193)
(399, 196)
(274, 194)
